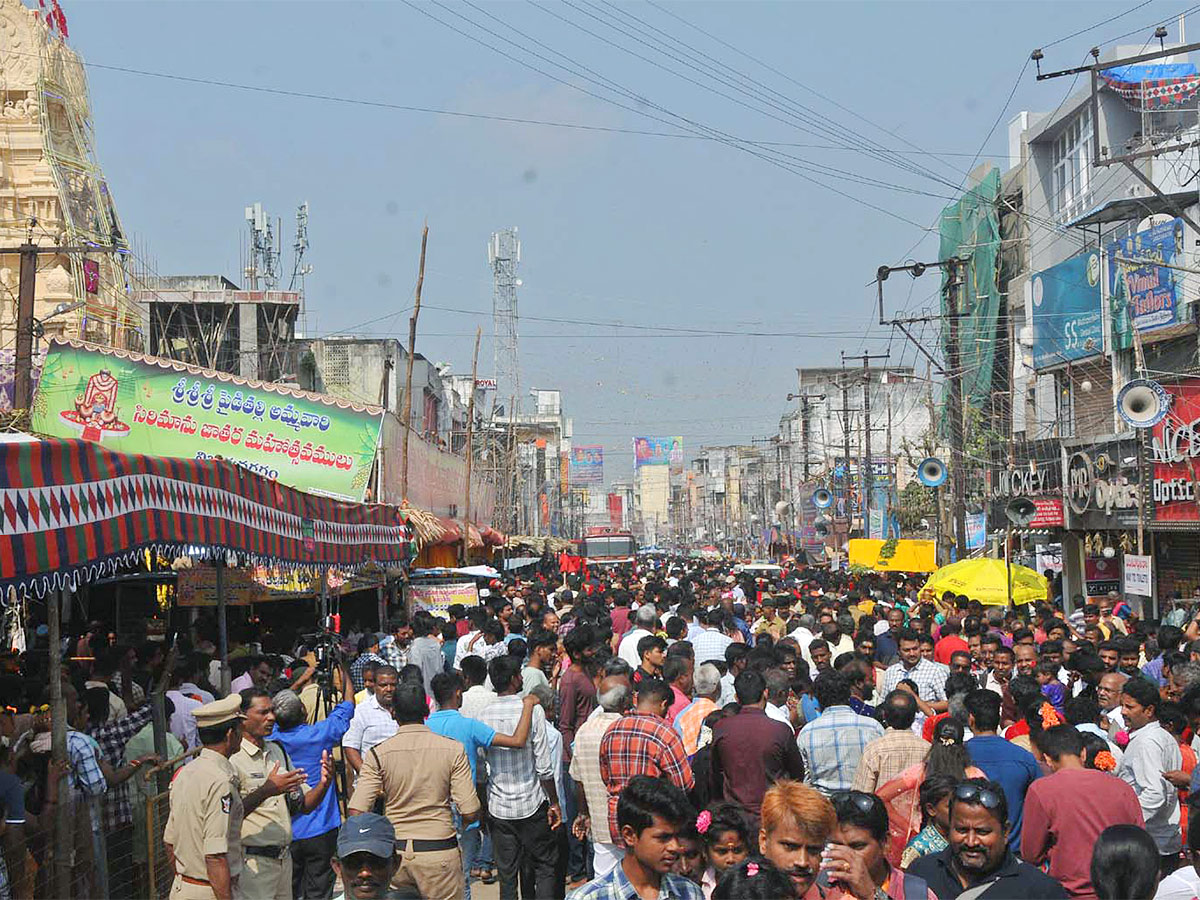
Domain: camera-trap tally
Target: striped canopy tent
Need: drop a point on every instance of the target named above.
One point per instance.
(1159, 86)
(71, 510)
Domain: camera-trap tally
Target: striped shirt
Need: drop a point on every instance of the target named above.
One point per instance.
(585, 768)
(929, 677)
(690, 720)
(710, 644)
(832, 746)
(515, 773)
(886, 757)
(358, 667)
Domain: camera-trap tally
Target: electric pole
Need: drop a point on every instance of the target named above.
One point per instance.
(845, 433)
(957, 479)
(27, 326)
(866, 464)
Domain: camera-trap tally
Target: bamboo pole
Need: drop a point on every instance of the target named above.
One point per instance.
(63, 825)
(412, 349)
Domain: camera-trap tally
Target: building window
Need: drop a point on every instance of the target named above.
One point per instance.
(1071, 161)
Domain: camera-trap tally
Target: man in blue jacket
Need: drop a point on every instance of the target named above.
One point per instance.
(314, 834)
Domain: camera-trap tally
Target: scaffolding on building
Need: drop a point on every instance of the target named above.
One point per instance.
(88, 213)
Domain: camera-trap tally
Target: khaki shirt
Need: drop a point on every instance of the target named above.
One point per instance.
(270, 823)
(418, 773)
(206, 815)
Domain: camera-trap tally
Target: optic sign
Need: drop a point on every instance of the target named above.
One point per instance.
(1067, 323)
(1175, 443)
(1097, 492)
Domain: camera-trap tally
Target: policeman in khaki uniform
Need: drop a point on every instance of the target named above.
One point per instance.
(272, 791)
(203, 830)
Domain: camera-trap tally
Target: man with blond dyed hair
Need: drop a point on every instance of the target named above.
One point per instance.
(796, 823)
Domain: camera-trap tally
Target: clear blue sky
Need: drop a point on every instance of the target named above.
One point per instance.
(646, 230)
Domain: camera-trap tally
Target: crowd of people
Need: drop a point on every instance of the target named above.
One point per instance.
(685, 732)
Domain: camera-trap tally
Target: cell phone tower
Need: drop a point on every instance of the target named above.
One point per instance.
(504, 255)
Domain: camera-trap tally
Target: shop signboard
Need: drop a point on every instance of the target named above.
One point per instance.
(1031, 469)
(1101, 489)
(159, 407)
(1137, 575)
(1101, 576)
(587, 465)
(1067, 322)
(976, 530)
(197, 586)
(1175, 456)
(1146, 292)
(438, 598)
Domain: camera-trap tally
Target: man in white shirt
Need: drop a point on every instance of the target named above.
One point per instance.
(710, 643)
(803, 634)
(373, 722)
(479, 692)
(1151, 752)
(523, 802)
(1108, 693)
(778, 687)
(645, 623)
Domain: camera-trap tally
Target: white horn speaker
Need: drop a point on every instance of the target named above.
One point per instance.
(1143, 403)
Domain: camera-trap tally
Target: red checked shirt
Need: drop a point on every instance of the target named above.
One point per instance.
(640, 744)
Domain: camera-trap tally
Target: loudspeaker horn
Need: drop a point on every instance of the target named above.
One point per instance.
(1143, 403)
(822, 498)
(931, 472)
(1020, 511)
(780, 508)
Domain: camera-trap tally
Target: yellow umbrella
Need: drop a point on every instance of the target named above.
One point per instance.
(983, 579)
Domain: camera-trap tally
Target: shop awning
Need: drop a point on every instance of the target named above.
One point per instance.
(76, 510)
(1127, 208)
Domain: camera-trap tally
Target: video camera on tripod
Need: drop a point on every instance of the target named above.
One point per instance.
(327, 648)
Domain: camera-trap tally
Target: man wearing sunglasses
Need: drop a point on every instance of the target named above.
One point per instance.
(978, 864)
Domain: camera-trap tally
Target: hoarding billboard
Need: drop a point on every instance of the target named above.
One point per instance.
(1067, 321)
(158, 407)
(658, 451)
(587, 465)
(1146, 293)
